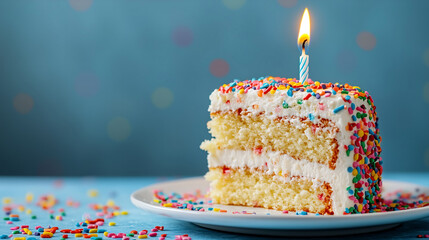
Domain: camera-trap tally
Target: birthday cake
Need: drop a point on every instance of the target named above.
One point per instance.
(283, 145)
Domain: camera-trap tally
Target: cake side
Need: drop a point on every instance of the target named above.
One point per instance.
(320, 132)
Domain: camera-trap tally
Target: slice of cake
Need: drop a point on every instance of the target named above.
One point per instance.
(283, 145)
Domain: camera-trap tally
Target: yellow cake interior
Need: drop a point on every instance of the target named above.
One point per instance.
(256, 189)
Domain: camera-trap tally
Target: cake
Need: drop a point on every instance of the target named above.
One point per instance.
(308, 148)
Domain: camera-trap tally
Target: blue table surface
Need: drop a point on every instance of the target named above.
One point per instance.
(119, 189)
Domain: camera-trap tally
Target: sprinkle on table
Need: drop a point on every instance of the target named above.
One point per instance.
(88, 228)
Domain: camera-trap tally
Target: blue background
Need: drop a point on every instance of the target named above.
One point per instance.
(121, 87)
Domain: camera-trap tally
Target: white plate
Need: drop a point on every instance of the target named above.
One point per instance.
(277, 223)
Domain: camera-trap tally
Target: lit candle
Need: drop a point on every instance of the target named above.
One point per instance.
(303, 43)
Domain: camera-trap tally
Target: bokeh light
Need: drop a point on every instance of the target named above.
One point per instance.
(58, 183)
(86, 84)
(162, 98)
(426, 92)
(233, 4)
(182, 36)
(119, 129)
(219, 67)
(23, 103)
(366, 40)
(80, 5)
(346, 61)
(287, 3)
(426, 57)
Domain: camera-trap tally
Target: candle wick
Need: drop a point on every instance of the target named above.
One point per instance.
(303, 47)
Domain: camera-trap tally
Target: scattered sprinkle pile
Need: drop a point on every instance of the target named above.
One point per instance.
(189, 201)
(89, 228)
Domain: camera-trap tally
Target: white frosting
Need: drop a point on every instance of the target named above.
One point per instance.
(274, 162)
(271, 105)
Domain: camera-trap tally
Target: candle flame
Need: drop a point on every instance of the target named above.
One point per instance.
(304, 31)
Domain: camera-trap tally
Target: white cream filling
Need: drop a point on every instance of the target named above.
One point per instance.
(275, 163)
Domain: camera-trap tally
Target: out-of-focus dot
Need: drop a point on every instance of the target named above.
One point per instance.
(29, 198)
(426, 57)
(162, 97)
(86, 216)
(233, 4)
(182, 36)
(23, 103)
(58, 183)
(287, 3)
(80, 5)
(366, 40)
(86, 84)
(110, 202)
(426, 92)
(346, 61)
(427, 157)
(7, 200)
(119, 129)
(219, 67)
(92, 193)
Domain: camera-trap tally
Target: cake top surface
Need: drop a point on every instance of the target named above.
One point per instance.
(348, 95)
(265, 85)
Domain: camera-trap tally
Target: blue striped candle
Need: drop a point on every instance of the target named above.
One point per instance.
(303, 68)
